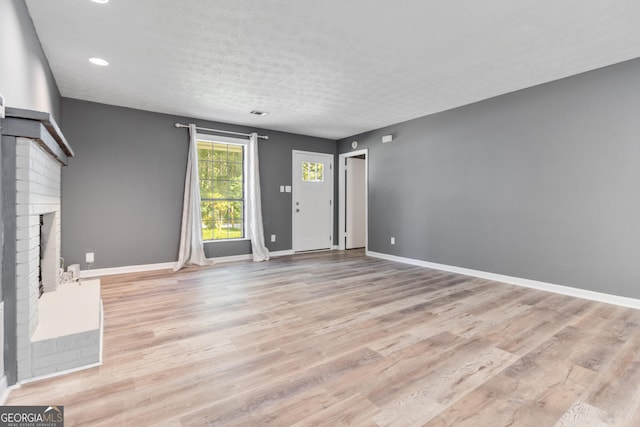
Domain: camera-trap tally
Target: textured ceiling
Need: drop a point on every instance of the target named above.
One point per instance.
(329, 68)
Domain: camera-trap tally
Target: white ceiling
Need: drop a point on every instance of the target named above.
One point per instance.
(329, 68)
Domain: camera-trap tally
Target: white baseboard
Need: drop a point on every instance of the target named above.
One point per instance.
(99, 272)
(126, 269)
(248, 257)
(281, 253)
(527, 283)
(232, 258)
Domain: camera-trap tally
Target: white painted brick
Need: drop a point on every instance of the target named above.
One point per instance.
(27, 245)
(38, 179)
(44, 347)
(22, 174)
(23, 257)
(22, 294)
(22, 328)
(23, 186)
(23, 233)
(22, 270)
(23, 209)
(33, 254)
(91, 352)
(46, 361)
(41, 372)
(72, 364)
(22, 148)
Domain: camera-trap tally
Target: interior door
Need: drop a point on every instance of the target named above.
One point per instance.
(312, 201)
(355, 203)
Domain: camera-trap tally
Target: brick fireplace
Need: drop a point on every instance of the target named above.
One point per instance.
(51, 334)
(37, 193)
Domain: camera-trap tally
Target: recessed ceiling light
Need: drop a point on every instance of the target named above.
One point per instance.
(99, 61)
(100, 1)
(259, 113)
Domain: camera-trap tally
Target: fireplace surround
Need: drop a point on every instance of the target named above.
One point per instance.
(40, 336)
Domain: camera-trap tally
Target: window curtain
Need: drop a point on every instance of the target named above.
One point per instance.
(191, 248)
(254, 220)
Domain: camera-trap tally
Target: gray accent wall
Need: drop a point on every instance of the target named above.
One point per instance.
(122, 192)
(543, 184)
(26, 80)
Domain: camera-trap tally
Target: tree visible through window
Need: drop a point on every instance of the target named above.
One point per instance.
(312, 172)
(221, 174)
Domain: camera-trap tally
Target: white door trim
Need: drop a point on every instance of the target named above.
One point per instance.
(293, 193)
(342, 182)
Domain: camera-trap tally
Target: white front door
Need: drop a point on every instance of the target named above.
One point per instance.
(312, 201)
(356, 188)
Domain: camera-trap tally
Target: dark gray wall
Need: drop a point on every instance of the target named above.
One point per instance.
(26, 80)
(122, 192)
(541, 183)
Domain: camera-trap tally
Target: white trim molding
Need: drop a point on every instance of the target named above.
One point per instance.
(281, 253)
(99, 272)
(342, 182)
(518, 281)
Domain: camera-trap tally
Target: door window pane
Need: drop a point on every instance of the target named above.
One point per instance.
(312, 172)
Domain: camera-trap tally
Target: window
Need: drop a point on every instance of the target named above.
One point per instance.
(221, 170)
(312, 172)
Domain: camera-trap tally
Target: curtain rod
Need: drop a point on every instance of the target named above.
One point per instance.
(180, 125)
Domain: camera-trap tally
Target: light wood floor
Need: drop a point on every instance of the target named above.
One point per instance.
(339, 339)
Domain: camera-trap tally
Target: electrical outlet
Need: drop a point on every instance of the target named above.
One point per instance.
(273, 237)
(393, 240)
(90, 257)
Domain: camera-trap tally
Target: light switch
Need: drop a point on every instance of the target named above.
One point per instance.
(282, 188)
(287, 189)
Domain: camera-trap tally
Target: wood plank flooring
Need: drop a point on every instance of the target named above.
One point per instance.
(337, 338)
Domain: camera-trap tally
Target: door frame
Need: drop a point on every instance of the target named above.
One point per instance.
(342, 184)
(332, 158)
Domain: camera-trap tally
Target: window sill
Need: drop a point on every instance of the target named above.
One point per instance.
(244, 239)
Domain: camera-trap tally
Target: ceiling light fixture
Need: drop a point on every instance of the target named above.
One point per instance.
(100, 1)
(99, 61)
(259, 113)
